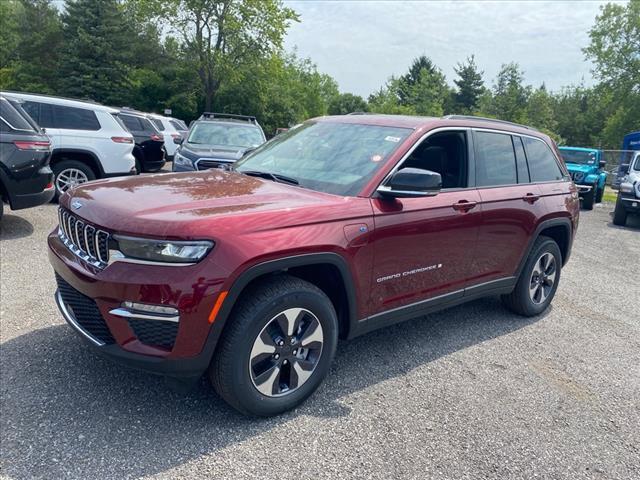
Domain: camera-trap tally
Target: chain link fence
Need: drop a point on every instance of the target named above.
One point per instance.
(617, 164)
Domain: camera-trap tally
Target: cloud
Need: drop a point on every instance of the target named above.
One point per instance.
(362, 43)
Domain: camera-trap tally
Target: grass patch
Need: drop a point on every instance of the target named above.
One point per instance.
(610, 195)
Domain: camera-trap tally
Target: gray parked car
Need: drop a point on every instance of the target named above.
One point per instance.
(629, 194)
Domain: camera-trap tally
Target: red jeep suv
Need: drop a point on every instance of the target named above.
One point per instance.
(337, 227)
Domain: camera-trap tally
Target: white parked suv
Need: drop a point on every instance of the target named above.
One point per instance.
(171, 129)
(86, 139)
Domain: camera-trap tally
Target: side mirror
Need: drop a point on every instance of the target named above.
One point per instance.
(602, 163)
(412, 182)
(178, 140)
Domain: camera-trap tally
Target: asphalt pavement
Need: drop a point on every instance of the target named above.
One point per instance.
(471, 392)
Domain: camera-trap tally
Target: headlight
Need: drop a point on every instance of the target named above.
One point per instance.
(578, 176)
(161, 251)
(626, 187)
(182, 161)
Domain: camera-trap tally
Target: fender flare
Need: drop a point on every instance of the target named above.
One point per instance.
(98, 163)
(553, 222)
(277, 265)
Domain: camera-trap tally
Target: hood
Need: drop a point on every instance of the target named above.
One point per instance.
(175, 204)
(195, 152)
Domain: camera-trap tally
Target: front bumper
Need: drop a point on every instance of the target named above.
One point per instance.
(195, 341)
(631, 204)
(27, 200)
(582, 189)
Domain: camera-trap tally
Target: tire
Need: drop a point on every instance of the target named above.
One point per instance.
(619, 214)
(138, 165)
(527, 301)
(254, 368)
(65, 169)
(589, 197)
(599, 195)
(1, 208)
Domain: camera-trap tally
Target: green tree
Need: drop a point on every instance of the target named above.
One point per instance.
(540, 112)
(615, 52)
(96, 57)
(347, 103)
(220, 36)
(10, 37)
(470, 86)
(386, 100)
(510, 96)
(38, 48)
(424, 88)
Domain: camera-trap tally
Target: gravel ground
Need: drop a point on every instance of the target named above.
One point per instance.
(472, 392)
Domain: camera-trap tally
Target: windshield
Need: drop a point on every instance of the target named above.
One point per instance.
(577, 156)
(15, 117)
(336, 158)
(226, 134)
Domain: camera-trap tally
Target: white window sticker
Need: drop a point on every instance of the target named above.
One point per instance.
(392, 139)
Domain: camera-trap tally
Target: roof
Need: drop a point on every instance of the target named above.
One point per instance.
(579, 149)
(428, 123)
(69, 102)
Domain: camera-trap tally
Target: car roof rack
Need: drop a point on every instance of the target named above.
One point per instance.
(228, 116)
(487, 119)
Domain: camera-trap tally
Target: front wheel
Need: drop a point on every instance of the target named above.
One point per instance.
(588, 199)
(277, 348)
(620, 213)
(538, 280)
(599, 195)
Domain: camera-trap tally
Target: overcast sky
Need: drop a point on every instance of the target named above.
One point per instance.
(362, 43)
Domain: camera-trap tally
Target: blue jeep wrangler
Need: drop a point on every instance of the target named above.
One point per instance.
(586, 166)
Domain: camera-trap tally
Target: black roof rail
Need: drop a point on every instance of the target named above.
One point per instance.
(487, 119)
(229, 116)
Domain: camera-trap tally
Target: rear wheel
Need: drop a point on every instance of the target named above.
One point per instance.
(69, 173)
(589, 197)
(277, 348)
(538, 280)
(619, 214)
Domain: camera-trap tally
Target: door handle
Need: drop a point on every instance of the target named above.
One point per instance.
(464, 206)
(531, 198)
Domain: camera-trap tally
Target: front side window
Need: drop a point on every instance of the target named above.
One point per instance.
(226, 135)
(336, 158)
(542, 163)
(495, 160)
(444, 153)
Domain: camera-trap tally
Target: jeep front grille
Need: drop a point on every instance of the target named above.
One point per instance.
(86, 241)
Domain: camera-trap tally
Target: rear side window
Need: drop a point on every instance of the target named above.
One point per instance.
(59, 116)
(132, 123)
(12, 118)
(158, 124)
(542, 163)
(178, 125)
(521, 161)
(495, 160)
(146, 125)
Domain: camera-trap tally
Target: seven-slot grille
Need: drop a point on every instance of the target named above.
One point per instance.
(88, 242)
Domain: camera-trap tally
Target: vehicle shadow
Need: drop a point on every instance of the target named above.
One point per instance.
(13, 227)
(69, 413)
(633, 223)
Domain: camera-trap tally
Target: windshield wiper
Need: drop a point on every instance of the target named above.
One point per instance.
(276, 177)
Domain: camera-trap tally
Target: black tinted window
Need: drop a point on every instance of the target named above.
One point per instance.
(521, 161)
(12, 117)
(132, 123)
(495, 159)
(158, 124)
(542, 163)
(146, 125)
(58, 116)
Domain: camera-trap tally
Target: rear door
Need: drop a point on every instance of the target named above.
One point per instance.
(511, 205)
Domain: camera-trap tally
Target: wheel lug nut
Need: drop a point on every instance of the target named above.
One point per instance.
(280, 343)
(285, 362)
(295, 351)
(276, 356)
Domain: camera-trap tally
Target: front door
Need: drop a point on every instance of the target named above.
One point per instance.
(423, 247)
